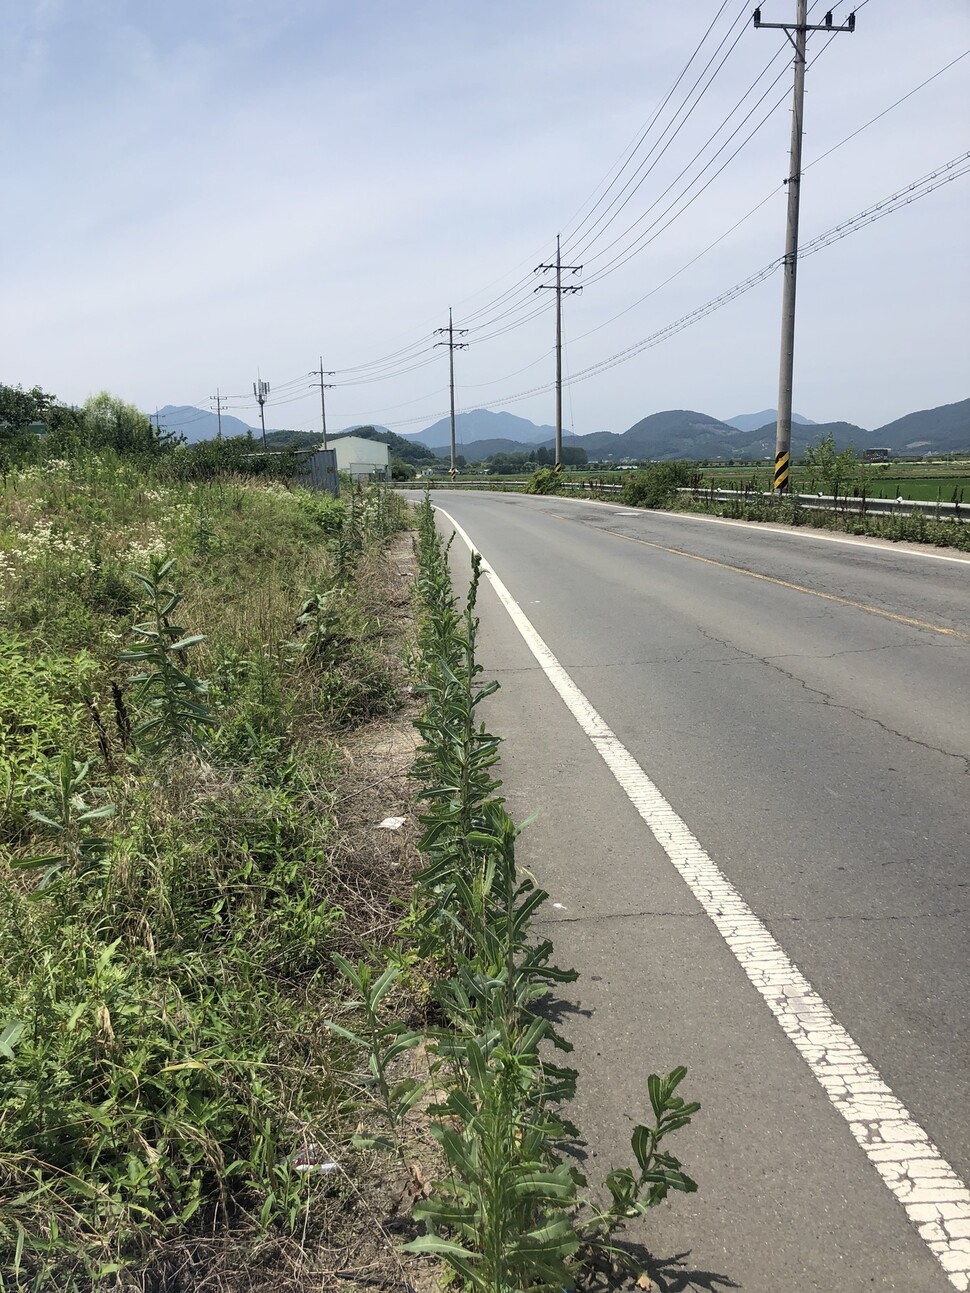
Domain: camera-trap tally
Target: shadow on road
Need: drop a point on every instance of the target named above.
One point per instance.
(669, 1275)
(674, 1275)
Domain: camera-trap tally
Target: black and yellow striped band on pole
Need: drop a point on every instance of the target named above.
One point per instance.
(558, 467)
(782, 461)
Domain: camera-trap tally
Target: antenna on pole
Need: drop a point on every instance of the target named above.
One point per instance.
(261, 390)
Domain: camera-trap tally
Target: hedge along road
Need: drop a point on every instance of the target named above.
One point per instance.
(781, 719)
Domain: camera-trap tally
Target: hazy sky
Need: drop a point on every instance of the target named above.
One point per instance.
(192, 191)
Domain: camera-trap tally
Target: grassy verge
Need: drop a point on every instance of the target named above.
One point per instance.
(915, 528)
(657, 486)
(180, 665)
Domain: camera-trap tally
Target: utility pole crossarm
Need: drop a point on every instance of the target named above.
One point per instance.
(452, 345)
(827, 25)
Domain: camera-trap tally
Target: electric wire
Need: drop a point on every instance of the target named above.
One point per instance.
(517, 288)
(402, 361)
(912, 192)
(645, 131)
(644, 170)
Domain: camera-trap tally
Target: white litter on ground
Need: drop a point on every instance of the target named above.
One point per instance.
(391, 824)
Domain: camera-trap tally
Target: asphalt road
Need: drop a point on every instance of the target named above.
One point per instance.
(804, 706)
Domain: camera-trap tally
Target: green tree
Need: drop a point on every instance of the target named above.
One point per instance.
(107, 422)
(656, 484)
(401, 470)
(507, 464)
(831, 468)
(18, 408)
(574, 456)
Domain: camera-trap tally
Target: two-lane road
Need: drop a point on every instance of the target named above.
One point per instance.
(803, 703)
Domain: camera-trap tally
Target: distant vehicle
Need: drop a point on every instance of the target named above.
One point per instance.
(877, 455)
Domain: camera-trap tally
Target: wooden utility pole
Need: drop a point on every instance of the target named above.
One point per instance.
(452, 345)
(801, 28)
(218, 399)
(558, 288)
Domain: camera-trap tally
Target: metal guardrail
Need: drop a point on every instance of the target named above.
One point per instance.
(848, 504)
(498, 484)
(817, 502)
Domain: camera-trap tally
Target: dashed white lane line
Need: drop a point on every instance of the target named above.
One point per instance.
(935, 1198)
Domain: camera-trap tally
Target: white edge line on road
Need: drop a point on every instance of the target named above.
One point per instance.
(935, 1198)
(871, 542)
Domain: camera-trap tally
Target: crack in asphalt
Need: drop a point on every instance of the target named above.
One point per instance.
(830, 700)
(840, 915)
(834, 655)
(767, 917)
(614, 915)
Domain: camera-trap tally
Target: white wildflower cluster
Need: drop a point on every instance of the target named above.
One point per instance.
(42, 543)
(139, 552)
(51, 467)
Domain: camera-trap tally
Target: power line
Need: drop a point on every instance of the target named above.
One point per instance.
(912, 192)
(641, 241)
(518, 287)
(643, 171)
(879, 115)
(767, 198)
(656, 116)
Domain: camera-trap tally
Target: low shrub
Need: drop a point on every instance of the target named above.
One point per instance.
(657, 484)
(543, 481)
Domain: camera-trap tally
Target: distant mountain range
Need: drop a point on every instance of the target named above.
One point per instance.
(685, 433)
(198, 424)
(673, 433)
(483, 424)
(755, 421)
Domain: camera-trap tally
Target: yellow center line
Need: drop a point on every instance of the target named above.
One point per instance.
(798, 588)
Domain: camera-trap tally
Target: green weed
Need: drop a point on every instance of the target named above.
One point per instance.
(162, 1054)
(511, 1212)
